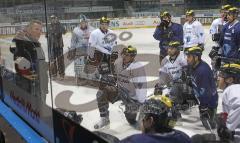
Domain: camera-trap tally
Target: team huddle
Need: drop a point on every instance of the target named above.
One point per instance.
(189, 79)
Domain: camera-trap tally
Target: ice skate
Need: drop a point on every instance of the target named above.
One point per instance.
(103, 123)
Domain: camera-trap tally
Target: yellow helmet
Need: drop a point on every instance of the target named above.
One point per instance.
(165, 13)
(195, 50)
(230, 70)
(130, 50)
(233, 11)
(160, 106)
(175, 44)
(190, 13)
(104, 20)
(226, 7)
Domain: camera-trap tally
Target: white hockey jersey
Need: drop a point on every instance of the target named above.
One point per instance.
(172, 68)
(231, 105)
(217, 25)
(193, 34)
(132, 78)
(80, 37)
(101, 41)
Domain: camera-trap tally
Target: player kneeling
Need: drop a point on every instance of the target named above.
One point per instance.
(128, 85)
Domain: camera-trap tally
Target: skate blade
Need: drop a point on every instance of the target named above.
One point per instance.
(103, 128)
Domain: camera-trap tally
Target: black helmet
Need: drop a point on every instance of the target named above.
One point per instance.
(230, 70)
(165, 13)
(160, 106)
(104, 20)
(195, 50)
(130, 50)
(175, 44)
(190, 13)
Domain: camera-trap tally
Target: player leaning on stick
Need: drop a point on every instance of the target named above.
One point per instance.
(203, 85)
(130, 87)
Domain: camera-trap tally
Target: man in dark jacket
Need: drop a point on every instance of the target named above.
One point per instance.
(55, 44)
(29, 60)
(167, 31)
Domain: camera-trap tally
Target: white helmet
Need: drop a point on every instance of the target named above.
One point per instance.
(83, 18)
(22, 65)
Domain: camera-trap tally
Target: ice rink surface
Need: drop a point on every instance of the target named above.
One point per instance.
(147, 47)
(148, 51)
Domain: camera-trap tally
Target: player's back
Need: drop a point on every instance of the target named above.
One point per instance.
(172, 137)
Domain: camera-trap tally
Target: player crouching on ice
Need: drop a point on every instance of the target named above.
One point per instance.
(171, 71)
(130, 87)
(157, 124)
(229, 119)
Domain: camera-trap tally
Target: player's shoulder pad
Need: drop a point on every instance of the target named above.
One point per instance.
(197, 23)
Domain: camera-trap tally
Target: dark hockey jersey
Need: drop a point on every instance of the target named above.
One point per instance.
(230, 40)
(172, 137)
(172, 33)
(204, 86)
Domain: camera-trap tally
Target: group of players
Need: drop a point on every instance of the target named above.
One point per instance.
(124, 78)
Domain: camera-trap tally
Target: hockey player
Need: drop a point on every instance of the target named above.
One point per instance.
(171, 67)
(215, 30)
(80, 36)
(131, 88)
(167, 31)
(230, 37)
(55, 44)
(229, 120)
(157, 125)
(217, 24)
(203, 84)
(193, 31)
(79, 45)
(102, 39)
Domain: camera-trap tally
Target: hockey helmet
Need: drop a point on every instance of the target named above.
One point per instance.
(175, 44)
(83, 18)
(22, 66)
(165, 13)
(233, 11)
(130, 50)
(230, 70)
(190, 13)
(195, 50)
(104, 20)
(53, 16)
(226, 7)
(160, 106)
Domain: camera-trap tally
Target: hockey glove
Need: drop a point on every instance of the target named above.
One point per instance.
(158, 89)
(225, 134)
(201, 45)
(214, 52)
(204, 112)
(71, 54)
(216, 37)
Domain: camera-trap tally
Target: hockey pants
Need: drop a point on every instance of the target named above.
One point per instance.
(57, 62)
(111, 94)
